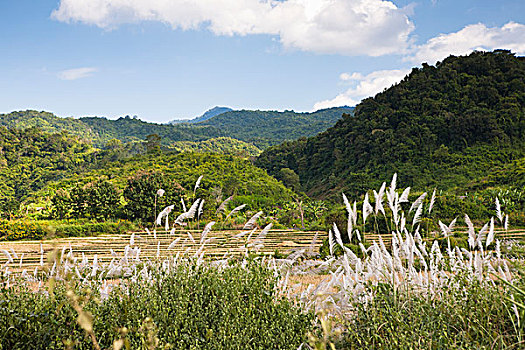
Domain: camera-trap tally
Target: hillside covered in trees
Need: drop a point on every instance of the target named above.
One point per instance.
(259, 128)
(61, 173)
(458, 124)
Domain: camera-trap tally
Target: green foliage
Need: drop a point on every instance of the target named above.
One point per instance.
(260, 128)
(193, 308)
(141, 195)
(289, 178)
(447, 126)
(98, 200)
(79, 228)
(466, 315)
(13, 230)
(221, 145)
(264, 128)
(30, 158)
(224, 175)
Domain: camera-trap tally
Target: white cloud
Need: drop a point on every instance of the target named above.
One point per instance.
(76, 73)
(363, 86)
(349, 27)
(473, 37)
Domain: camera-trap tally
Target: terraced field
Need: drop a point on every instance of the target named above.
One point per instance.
(28, 254)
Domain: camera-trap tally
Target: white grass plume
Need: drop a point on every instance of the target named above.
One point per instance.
(174, 243)
(417, 215)
(331, 242)
(404, 195)
(190, 214)
(236, 209)
(264, 232)
(417, 202)
(9, 257)
(206, 231)
(367, 208)
(471, 232)
(432, 201)
(222, 206)
(338, 237)
(251, 223)
(163, 213)
(197, 184)
(379, 199)
(490, 235)
(201, 208)
(498, 210)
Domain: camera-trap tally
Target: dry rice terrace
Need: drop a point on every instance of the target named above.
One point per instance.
(27, 254)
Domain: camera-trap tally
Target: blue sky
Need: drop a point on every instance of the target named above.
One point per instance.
(167, 59)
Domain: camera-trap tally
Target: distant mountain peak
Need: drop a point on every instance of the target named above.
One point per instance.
(215, 111)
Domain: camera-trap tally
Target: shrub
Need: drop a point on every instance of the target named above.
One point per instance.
(468, 314)
(16, 230)
(192, 308)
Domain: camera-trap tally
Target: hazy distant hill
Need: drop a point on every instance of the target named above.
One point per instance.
(207, 115)
(447, 125)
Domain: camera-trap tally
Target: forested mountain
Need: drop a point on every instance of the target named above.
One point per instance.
(207, 115)
(34, 165)
(133, 129)
(29, 159)
(450, 125)
(49, 123)
(264, 128)
(256, 127)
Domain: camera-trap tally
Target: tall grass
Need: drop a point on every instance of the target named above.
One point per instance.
(401, 290)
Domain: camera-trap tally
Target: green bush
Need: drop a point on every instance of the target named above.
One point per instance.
(192, 308)
(11, 230)
(468, 314)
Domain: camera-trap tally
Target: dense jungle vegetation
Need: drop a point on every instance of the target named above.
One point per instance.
(458, 125)
(260, 128)
(35, 166)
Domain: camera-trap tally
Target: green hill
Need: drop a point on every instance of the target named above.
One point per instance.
(35, 165)
(449, 125)
(221, 145)
(264, 128)
(29, 159)
(260, 128)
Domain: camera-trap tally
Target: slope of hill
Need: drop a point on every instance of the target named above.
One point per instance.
(47, 122)
(448, 125)
(215, 111)
(258, 128)
(223, 175)
(29, 159)
(34, 165)
(133, 129)
(100, 130)
(221, 145)
(265, 128)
